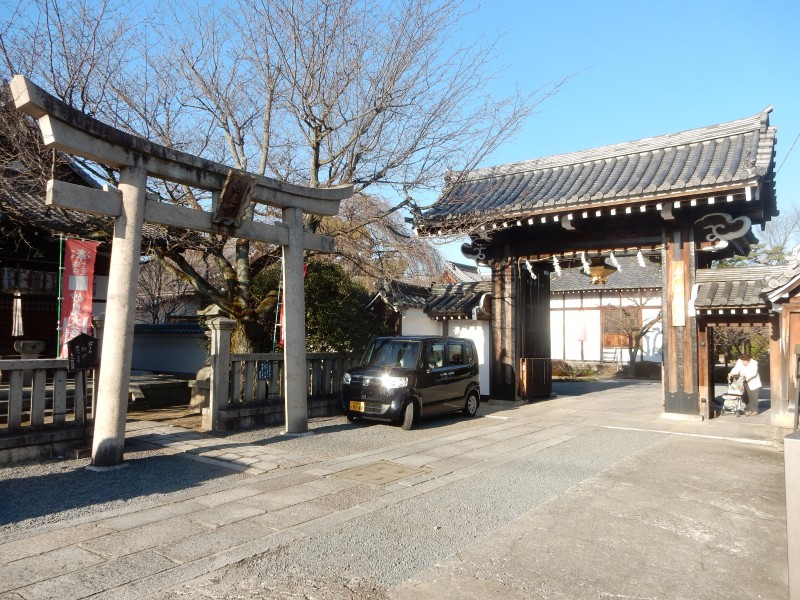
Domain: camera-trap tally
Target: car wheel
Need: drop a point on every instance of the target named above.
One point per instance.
(471, 404)
(408, 417)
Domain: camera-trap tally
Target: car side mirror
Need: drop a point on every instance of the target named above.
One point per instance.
(431, 366)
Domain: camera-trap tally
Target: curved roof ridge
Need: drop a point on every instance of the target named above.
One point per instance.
(690, 136)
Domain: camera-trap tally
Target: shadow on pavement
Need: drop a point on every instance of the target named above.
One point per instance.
(579, 388)
(76, 487)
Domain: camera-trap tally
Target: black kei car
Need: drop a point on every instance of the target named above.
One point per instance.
(403, 378)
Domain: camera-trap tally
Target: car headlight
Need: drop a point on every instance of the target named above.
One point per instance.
(346, 379)
(391, 382)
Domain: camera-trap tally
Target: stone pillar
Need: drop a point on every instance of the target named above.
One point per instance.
(294, 323)
(112, 387)
(221, 329)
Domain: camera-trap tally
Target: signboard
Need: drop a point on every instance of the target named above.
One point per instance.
(82, 352)
(264, 370)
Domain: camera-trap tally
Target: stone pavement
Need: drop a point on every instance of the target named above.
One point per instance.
(699, 513)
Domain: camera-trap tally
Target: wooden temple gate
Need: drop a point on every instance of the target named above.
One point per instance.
(681, 200)
(130, 206)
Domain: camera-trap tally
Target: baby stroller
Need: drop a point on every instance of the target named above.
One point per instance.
(733, 399)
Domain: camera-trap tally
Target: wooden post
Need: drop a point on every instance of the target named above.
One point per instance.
(680, 326)
(705, 369)
(112, 390)
(504, 374)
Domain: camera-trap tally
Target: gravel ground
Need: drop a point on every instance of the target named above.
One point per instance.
(386, 547)
(335, 437)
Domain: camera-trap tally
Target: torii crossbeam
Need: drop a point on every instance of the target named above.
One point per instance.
(66, 129)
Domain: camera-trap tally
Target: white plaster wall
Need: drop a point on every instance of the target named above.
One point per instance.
(478, 332)
(594, 334)
(571, 327)
(557, 334)
(416, 322)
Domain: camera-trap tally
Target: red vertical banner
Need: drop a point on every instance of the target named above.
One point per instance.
(77, 289)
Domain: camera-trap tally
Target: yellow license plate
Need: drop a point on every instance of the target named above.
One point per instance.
(357, 406)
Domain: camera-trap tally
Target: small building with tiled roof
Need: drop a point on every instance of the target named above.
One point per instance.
(461, 273)
(459, 301)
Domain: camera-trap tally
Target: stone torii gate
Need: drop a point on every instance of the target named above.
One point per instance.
(68, 130)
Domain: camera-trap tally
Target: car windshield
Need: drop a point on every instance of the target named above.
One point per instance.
(392, 353)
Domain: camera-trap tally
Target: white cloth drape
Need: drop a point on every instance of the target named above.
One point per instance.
(16, 319)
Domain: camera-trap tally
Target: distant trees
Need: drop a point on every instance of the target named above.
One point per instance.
(730, 342)
(336, 316)
(317, 93)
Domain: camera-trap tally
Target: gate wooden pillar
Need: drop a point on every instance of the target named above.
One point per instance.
(503, 381)
(680, 324)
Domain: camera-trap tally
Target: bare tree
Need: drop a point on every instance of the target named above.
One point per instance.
(317, 93)
(627, 321)
(161, 295)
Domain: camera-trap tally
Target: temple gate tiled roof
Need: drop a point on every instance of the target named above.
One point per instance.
(744, 290)
(699, 161)
(779, 284)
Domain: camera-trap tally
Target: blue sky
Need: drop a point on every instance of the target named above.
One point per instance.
(647, 68)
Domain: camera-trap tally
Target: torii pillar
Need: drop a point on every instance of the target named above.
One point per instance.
(72, 132)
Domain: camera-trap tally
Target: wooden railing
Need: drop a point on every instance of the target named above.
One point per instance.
(37, 395)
